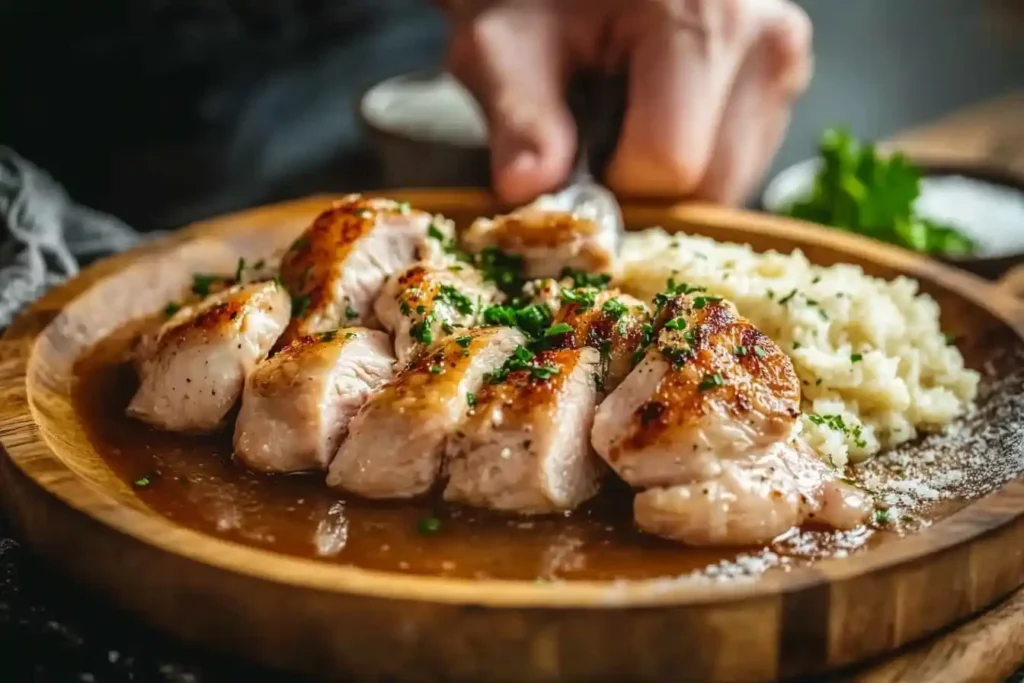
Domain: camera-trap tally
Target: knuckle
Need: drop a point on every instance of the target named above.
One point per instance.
(789, 36)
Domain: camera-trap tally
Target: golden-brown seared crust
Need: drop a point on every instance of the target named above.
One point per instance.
(278, 374)
(523, 392)
(617, 329)
(221, 317)
(719, 363)
(435, 371)
(531, 229)
(313, 264)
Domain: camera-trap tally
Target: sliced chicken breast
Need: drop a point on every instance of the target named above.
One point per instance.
(711, 397)
(337, 267)
(753, 501)
(615, 324)
(525, 447)
(191, 372)
(297, 404)
(396, 442)
(424, 303)
(548, 241)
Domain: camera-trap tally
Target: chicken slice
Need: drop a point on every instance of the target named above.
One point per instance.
(615, 324)
(548, 241)
(297, 404)
(753, 501)
(191, 372)
(526, 446)
(424, 303)
(396, 442)
(337, 267)
(710, 397)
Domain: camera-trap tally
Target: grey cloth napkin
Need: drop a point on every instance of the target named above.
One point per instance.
(45, 237)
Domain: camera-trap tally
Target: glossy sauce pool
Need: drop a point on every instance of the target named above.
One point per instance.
(194, 481)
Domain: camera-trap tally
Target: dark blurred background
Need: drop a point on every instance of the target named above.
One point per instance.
(164, 111)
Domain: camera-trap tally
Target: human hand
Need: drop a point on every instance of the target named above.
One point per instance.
(711, 83)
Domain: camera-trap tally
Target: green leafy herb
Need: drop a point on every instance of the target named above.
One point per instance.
(500, 268)
(560, 328)
(710, 382)
(583, 297)
(329, 336)
(837, 424)
(856, 357)
(171, 308)
(456, 299)
(950, 338)
(786, 299)
(741, 351)
(436, 369)
(350, 312)
(882, 516)
(239, 269)
(143, 482)
(760, 352)
(581, 278)
(300, 243)
(471, 399)
(615, 308)
(429, 525)
(861, 191)
(702, 301)
(201, 283)
(678, 323)
(464, 342)
(350, 335)
(522, 359)
(421, 331)
(403, 207)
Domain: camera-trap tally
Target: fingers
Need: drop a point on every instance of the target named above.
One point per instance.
(684, 60)
(710, 93)
(776, 69)
(513, 62)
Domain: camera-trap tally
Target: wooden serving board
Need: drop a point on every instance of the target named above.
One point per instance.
(341, 621)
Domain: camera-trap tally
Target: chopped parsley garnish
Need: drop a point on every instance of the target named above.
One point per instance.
(676, 356)
(646, 337)
(350, 312)
(677, 323)
(710, 382)
(583, 297)
(421, 331)
(856, 357)
(350, 335)
(300, 243)
(533, 320)
(259, 265)
(403, 306)
(950, 338)
(500, 268)
(560, 328)
(429, 525)
(615, 308)
(142, 482)
(464, 342)
(702, 301)
(456, 299)
(674, 289)
(837, 424)
(786, 299)
(403, 207)
(796, 345)
(581, 278)
(522, 359)
(171, 308)
(299, 305)
(760, 352)
(436, 369)
(329, 336)
(882, 516)
(434, 233)
(471, 399)
(239, 269)
(740, 351)
(201, 283)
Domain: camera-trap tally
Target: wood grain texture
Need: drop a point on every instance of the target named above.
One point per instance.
(340, 622)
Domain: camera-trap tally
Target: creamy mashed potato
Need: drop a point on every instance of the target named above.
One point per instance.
(875, 366)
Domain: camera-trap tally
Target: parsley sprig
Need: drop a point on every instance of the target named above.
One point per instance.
(861, 191)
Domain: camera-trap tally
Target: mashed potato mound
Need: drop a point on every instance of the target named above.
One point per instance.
(875, 366)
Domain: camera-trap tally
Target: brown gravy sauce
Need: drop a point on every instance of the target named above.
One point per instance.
(194, 481)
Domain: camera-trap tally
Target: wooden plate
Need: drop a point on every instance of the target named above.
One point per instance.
(337, 621)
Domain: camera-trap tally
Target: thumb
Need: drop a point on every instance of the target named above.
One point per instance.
(513, 66)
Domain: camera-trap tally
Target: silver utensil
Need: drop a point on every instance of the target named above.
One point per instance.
(596, 103)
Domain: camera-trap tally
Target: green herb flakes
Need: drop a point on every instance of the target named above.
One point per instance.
(710, 382)
(428, 525)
